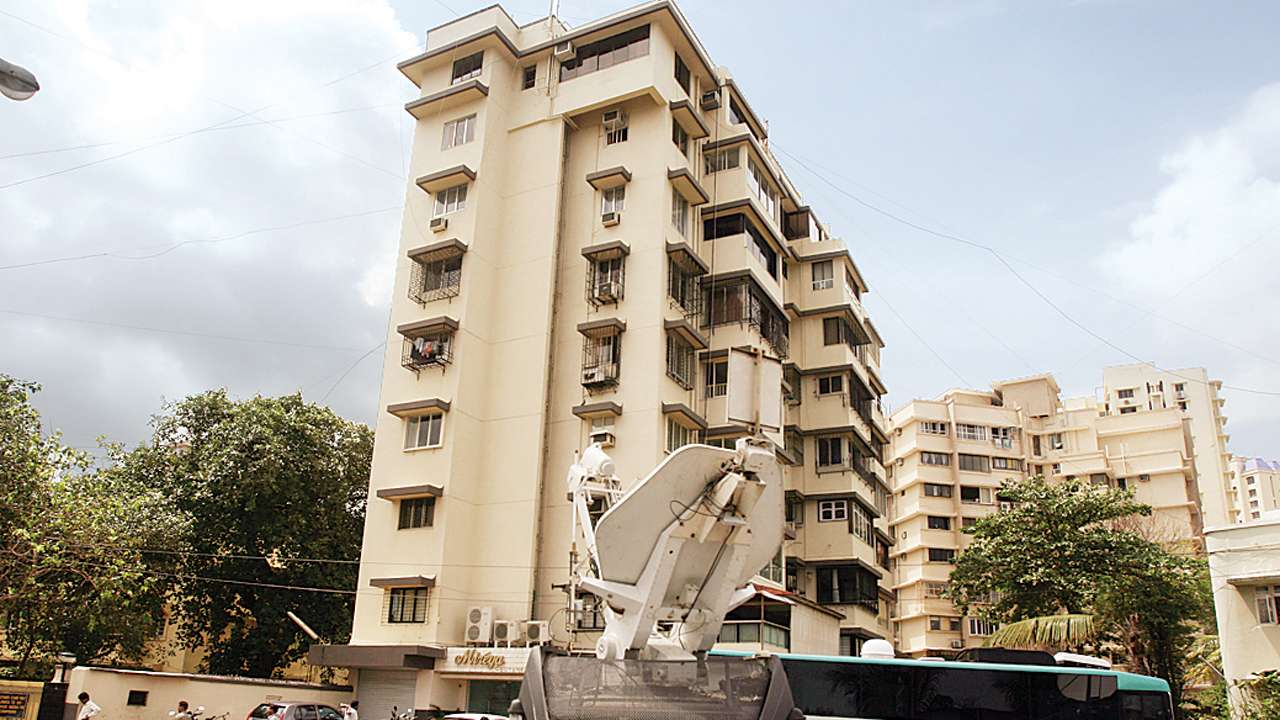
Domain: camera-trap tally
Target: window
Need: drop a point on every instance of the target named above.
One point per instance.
(717, 379)
(682, 286)
(848, 584)
(929, 427)
(679, 213)
(763, 251)
(1128, 410)
(831, 385)
(833, 510)
(970, 432)
(968, 522)
(1035, 445)
(466, 68)
(942, 555)
(601, 357)
(851, 287)
(680, 138)
(935, 589)
(980, 626)
(716, 161)
(459, 132)
(1055, 469)
(938, 522)
(606, 53)
(1002, 437)
(935, 458)
(678, 435)
(613, 200)
(427, 351)
(616, 130)
(529, 77)
(936, 490)
(953, 624)
(680, 361)
(407, 605)
(975, 463)
(1000, 463)
(761, 186)
(438, 279)
(935, 622)
(450, 200)
(795, 510)
(862, 525)
(1055, 441)
(423, 431)
(830, 452)
(970, 494)
(1125, 394)
(682, 75)
(417, 513)
(1179, 387)
(822, 275)
(137, 697)
(736, 115)
(1182, 404)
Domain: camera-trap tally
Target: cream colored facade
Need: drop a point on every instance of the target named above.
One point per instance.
(592, 227)
(1254, 488)
(948, 457)
(1244, 566)
(1142, 387)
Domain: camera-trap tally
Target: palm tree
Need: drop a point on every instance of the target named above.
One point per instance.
(1049, 632)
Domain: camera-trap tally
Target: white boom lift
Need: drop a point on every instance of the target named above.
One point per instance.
(679, 547)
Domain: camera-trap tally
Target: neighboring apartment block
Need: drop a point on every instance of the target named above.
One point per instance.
(1254, 488)
(596, 224)
(949, 456)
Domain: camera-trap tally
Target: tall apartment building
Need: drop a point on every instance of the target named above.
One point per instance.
(1254, 488)
(1139, 387)
(948, 457)
(596, 223)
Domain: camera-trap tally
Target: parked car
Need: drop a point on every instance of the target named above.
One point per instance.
(473, 716)
(293, 711)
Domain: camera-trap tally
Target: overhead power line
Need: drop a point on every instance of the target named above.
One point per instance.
(1013, 271)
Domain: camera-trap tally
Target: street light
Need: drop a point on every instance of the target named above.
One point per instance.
(17, 83)
(65, 659)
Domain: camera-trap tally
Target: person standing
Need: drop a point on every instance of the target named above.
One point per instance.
(183, 712)
(88, 708)
(352, 711)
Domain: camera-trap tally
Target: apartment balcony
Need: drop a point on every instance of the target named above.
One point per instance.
(740, 302)
(427, 343)
(436, 271)
(601, 353)
(738, 255)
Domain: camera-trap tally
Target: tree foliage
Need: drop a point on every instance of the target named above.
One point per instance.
(262, 478)
(72, 577)
(1052, 631)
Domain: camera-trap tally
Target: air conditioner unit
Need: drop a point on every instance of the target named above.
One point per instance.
(480, 625)
(614, 120)
(604, 437)
(710, 100)
(506, 632)
(609, 219)
(563, 51)
(592, 375)
(439, 224)
(537, 632)
(957, 644)
(607, 291)
(1144, 478)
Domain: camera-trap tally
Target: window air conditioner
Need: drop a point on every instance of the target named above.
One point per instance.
(604, 437)
(614, 120)
(611, 218)
(592, 375)
(506, 632)
(439, 224)
(957, 644)
(480, 625)
(607, 291)
(537, 632)
(563, 51)
(710, 100)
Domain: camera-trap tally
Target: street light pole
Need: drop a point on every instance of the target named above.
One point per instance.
(17, 82)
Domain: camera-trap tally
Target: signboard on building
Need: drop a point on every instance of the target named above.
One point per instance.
(13, 705)
(494, 661)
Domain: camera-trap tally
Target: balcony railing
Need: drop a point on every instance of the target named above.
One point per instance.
(427, 351)
(600, 375)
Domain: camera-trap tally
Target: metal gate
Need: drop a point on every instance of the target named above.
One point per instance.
(380, 690)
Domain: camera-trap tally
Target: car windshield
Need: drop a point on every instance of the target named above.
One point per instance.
(266, 710)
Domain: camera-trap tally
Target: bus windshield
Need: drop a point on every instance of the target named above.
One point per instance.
(912, 690)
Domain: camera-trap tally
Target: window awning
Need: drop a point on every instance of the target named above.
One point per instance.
(609, 178)
(606, 250)
(459, 94)
(406, 581)
(683, 112)
(598, 409)
(408, 492)
(688, 333)
(429, 326)
(437, 251)
(602, 328)
(447, 178)
(684, 256)
(687, 185)
(684, 415)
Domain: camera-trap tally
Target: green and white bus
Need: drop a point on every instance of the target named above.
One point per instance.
(882, 689)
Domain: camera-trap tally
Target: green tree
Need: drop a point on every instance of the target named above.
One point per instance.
(72, 576)
(1038, 558)
(264, 482)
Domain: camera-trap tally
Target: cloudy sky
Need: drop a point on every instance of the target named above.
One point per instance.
(230, 174)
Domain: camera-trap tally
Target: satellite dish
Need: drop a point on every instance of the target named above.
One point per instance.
(16, 82)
